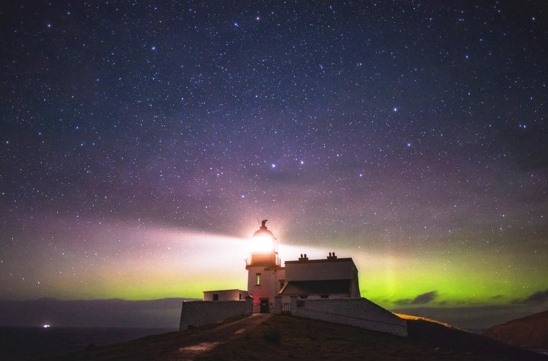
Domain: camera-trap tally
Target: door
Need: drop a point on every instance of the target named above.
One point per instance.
(265, 305)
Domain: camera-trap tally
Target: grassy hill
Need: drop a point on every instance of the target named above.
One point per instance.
(290, 338)
(530, 332)
(286, 337)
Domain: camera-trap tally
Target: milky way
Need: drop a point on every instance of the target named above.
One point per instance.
(411, 136)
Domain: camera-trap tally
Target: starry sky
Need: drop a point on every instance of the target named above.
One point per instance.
(141, 142)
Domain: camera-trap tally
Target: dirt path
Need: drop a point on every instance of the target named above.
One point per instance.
(173, 346)
(195, 345)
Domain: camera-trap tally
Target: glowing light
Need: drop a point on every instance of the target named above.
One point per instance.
(160, 261)
(262, 244)
(155, 262)
(46, 325)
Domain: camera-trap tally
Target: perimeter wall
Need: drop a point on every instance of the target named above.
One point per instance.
(359, 312)
(198, 313)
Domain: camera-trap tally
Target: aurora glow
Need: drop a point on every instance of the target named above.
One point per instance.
(141, 143)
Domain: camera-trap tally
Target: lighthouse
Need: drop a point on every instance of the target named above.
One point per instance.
(265, 275)
(324, 289)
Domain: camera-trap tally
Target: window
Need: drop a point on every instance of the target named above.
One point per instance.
(258, 279)
(215, 297)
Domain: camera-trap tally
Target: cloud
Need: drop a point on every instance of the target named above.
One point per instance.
(425, 298)
(421, 299)
(403, 302)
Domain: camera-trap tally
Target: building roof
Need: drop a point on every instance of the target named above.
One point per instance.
(230, 290)
(319, 287)
(324, 260)
(264, 231)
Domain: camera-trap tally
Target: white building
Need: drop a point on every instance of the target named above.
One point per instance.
(331, 277)
(325, 289)
(226, 295)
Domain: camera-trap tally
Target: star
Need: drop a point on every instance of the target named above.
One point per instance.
(400, 143)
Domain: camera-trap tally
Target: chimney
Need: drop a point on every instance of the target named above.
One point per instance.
(332, 255)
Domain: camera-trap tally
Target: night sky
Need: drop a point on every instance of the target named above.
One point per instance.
(141, 142)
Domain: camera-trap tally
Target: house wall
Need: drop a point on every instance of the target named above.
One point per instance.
(313, 270)
(324, 270)
(225, 295)
(287, 299)
(281, 277)
(198, 313)
(358, 312)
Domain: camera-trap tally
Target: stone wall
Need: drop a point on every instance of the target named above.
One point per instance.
(358, 312)
(198, 313)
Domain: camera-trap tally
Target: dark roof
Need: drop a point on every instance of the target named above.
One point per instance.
(321, 287)
(263, 231)
(324, 260)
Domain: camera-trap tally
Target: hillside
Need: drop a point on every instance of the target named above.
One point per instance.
(266, 337)
(529, 332)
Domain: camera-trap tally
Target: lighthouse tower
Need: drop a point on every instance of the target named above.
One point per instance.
(265, 275)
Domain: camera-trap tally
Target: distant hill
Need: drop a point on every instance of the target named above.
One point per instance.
(290, 338)
(529, 332)
(162, 313)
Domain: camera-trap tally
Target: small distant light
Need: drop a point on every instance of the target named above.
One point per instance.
(46, 325)
(395, 109)
(273, 165)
